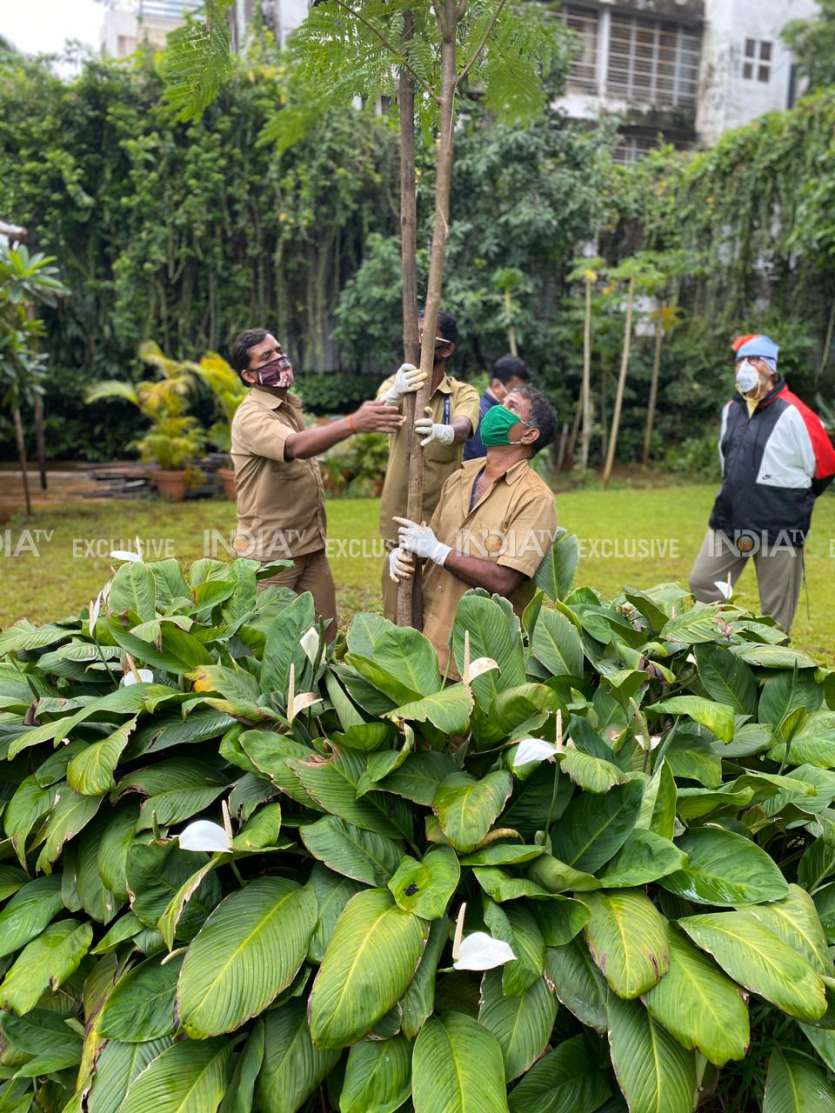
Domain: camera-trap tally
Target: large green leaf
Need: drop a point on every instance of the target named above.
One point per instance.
(727, 679)
(28, 912)
(141, 1006)
(91, 771)
(417, 779)
(457, 1067)
(332, 783)
(419, 1000)
(293, 1065)
(492, 633)
(556, 572)
(814, 742)
(187, 1077)
(717, 717)
(247, 952)
(644, 857)
(349, 850)
(594, 828)
(627, 937)
(241, 1090)
(154, 874)
(116, 1067)
(757, 959)
(282, 648)
(578, 983)
(592, 774)
(114, 842)
(426, 887)
(332, 894)
(569, 1079)
(449, 710)
(378, 1076)
(176, 789)
(724, 868)
(70, 814)
(654, 1072)
(467, 808)
(44, 963)
(133, 589)
(794, 1084)
(557, 645)
(522, 1024)
(700, 1006)
(795, 920)
(372, 956)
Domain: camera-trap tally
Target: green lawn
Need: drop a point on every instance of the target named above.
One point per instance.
(628, 536)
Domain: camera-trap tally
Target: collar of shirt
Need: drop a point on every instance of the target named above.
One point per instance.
(268, 400)
(444, 386)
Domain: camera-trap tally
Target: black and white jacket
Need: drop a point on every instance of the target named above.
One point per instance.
(774, 465)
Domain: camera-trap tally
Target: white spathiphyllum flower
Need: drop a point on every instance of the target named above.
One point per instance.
(137, 676)
(95, 608)
(691, 659)
(297, 703)
(481, 951)
(480, 666)
(309, 642)
(125, 554)
(654, 740)
(205, 835)
(534, 749)
(724, 587)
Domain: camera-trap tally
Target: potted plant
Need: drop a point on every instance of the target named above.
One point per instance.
(175, 440)
(228, 392)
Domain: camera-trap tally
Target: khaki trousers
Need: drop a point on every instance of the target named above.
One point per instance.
(779, 575)
(312, 573)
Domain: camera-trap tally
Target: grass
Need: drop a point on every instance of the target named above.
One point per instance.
(54, 563)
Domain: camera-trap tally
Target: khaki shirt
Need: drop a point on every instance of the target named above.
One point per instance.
(438, 459)
(513, 524)
(280, 503)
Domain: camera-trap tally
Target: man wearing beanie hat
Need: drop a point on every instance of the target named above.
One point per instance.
(776, 459)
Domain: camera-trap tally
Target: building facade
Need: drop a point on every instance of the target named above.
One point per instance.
(680, 71)
(127, 23)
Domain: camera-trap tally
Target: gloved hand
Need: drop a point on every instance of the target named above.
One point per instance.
(433, 431)
(422, 541)
(401, 565)
(407, 380)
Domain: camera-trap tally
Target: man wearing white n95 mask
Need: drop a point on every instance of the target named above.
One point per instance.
(776, 459)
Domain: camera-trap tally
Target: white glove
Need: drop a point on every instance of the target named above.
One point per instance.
(407, 380)
(432, 431)
(401, 565)
(422, 541)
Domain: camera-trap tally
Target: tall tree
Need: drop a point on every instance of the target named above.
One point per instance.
(348, 50)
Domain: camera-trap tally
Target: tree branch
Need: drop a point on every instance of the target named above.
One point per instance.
(389, 46)
(479, 49)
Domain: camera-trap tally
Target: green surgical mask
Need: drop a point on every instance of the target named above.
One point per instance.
(496, 425)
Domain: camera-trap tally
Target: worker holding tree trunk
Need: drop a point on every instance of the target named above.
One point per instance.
(280, 496)
(451, 417)
(494, 522)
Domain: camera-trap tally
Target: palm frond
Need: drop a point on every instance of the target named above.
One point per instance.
(197, 60)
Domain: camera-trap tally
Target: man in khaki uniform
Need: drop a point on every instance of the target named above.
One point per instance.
(280, 496)
(493, 525)
(451, 417)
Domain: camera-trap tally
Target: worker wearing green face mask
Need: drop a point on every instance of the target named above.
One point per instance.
(496, 426)
(494, 522)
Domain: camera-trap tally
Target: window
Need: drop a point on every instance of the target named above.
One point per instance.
(582, 77)
(757, 60)
(653, 62)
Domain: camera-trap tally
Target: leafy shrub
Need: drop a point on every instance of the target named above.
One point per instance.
(696, 458)
(553, 881)
(335, 392)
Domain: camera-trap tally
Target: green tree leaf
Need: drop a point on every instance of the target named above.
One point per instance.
(141, 1006)
(293, 1066)
(724, 868)
(457, 1066)
(569, 1079)
(187, 1077)
(378, 1076)
(426, 887)
(653, 1070)
(522, 1024)
(43, 964)
(796, 1085)
(593, 828)
(467, 808)
(628, 940)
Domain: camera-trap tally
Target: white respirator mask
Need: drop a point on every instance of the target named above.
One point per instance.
(747, 377)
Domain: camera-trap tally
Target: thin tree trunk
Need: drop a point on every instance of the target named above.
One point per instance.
(653, 394)
(21, 454)
(40, 439)
(624, 368)
(585, 392)
(511, 331)
(448, 15)
(408, 596)
(827, 346)
(575, 429)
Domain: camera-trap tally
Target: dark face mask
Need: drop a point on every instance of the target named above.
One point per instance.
(277, 373)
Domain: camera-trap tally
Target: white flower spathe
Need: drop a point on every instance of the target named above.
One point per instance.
(125, 554)
(138, 676)
(481, 951)
(534, 749)
(309, 641)
(205, 835)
